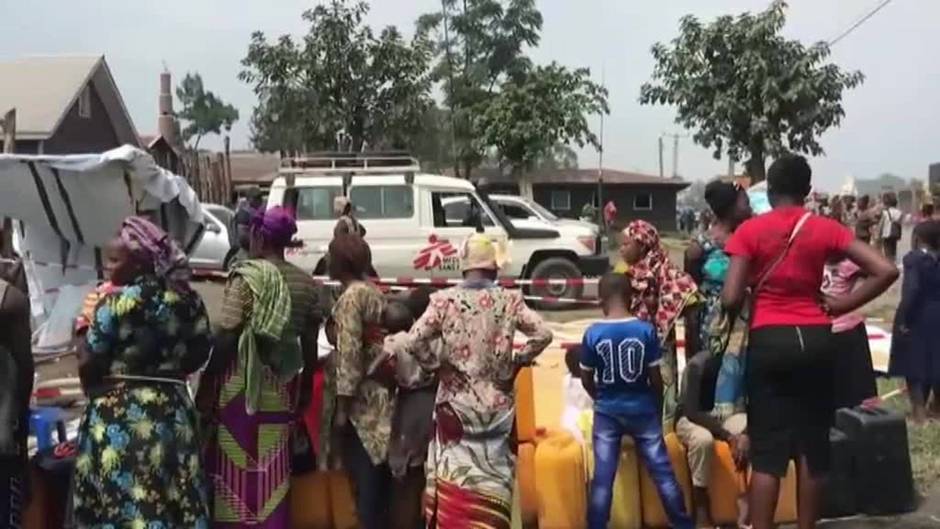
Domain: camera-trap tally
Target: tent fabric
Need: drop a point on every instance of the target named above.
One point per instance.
(67, 208)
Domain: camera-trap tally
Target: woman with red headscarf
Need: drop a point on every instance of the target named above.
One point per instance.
(662, 293)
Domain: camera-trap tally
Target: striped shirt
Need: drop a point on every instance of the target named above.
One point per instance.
(306, 312)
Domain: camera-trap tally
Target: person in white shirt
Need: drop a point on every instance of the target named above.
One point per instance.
(576, 400)
(890, 226)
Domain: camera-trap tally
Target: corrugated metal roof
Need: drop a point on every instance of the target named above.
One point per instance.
(42, 89)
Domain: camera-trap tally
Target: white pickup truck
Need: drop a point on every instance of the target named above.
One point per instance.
(411, 231)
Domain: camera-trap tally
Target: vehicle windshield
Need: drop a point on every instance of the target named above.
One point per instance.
(541, 210)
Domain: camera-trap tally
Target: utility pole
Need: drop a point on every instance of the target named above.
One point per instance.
(600, 161)
(675, 153)
(675, 156)
(661, 175)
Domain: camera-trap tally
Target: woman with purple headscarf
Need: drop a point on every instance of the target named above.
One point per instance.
(251, 389)
(138, 457)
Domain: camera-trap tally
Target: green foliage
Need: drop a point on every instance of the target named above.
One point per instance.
(560, 156)
(532, 114)
(340, 80)
(203, 111)
(494, 92)
(745, 89)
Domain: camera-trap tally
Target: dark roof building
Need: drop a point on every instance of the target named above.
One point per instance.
(566, 191)
(65, 105)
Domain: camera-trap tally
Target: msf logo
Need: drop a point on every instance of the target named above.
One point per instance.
(439, 254)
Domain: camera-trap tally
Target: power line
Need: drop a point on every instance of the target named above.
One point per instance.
(860, 21)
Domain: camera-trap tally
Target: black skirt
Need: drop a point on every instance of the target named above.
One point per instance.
(853, 374)
(788, 378)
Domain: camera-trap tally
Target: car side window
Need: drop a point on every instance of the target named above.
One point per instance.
(312, 203)
(383, 202)
(456, 210)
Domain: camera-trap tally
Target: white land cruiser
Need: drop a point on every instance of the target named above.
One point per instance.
(411, 231)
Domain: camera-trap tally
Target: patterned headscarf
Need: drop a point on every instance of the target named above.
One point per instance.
(655, 275)
(147, 243)
(277, 225)
(479, 252)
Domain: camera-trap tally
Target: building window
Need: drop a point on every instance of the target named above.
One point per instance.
(561, 200)
(643, 201)
(383, 202)
(84, 103)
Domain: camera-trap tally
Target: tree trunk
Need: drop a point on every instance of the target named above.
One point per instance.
(8, 123)
(524, 181)
(754, 166)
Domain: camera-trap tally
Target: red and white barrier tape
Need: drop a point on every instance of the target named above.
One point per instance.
(449, 281)
(404, 283)
(545, 299)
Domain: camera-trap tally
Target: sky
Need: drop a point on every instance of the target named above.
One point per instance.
(890, 123)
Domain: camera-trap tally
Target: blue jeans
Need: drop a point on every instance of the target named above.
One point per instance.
(647, 433)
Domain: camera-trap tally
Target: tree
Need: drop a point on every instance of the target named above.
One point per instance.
(202, 110)
(487, 78)
(341, 81)
(479, 45)
(560, 156)
(746, 90)
(531, 115)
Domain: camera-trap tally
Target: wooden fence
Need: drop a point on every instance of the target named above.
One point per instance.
(209, 175)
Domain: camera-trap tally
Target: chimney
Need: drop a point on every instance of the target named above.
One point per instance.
(166, 120)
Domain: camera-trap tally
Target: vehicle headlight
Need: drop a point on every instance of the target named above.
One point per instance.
(589, 242)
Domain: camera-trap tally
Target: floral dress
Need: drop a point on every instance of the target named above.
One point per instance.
(470, 464)
(138, 462)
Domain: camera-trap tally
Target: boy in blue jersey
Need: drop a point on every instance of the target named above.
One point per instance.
(620, 370)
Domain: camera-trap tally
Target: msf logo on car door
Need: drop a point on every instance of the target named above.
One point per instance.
(439, 254)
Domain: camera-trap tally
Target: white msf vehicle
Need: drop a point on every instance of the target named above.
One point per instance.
(409, 229)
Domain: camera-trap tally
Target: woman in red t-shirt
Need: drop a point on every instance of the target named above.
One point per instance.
(788, 375)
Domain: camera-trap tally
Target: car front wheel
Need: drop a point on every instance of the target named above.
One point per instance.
(555, 268)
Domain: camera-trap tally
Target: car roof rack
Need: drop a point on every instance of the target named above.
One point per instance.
(333, 163)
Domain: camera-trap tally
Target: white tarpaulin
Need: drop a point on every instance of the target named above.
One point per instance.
(67, 208)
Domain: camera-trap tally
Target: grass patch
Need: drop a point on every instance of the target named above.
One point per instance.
(923, 440)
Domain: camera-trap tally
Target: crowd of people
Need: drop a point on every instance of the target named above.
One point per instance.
(773, 343)
(413, 394)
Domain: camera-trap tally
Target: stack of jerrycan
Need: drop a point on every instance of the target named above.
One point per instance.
(654, 515)
(881, 462)
(727, 482)
(525, 450)
(322, 500)
(565, 467)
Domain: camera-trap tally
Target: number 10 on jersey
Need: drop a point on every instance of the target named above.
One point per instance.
(624, 361)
